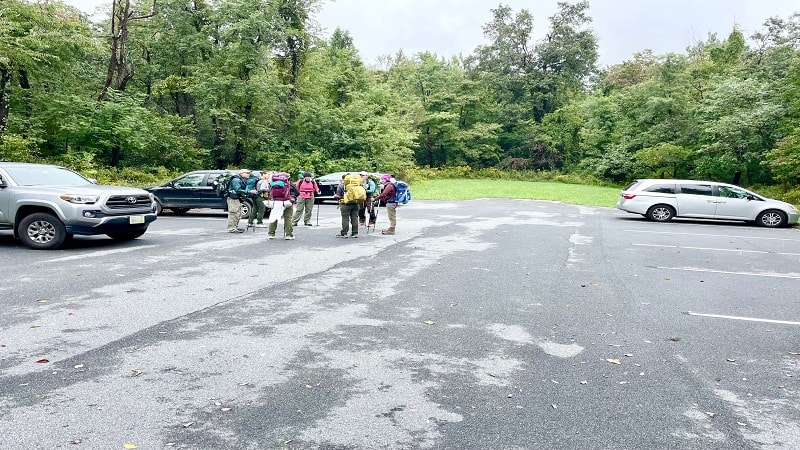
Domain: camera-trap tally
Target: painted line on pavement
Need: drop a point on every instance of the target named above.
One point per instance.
(718, 249)
(713, 235)
(749, 319)
(754, 274)
(100, 253)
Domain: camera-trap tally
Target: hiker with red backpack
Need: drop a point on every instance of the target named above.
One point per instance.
(307, 187)
(387, 198)
(281, 197)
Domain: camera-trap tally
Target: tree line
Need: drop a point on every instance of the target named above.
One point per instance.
(183, 85)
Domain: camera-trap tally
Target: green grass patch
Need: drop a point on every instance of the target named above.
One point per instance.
(469, 189)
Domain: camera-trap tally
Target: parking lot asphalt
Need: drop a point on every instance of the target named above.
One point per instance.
(480, 324)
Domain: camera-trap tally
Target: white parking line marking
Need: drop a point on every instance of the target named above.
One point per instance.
(713, 235)
(719, 249)
(97, 253)
(754, 274)
(750, 319)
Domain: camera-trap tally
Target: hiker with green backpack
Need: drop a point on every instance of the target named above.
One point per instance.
(236, 190)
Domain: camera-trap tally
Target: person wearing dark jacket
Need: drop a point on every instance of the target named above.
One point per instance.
(236, 191)
(386, 197)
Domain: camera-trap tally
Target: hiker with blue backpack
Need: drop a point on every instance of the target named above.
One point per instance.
(366, 207)
(387, 198)
(394, 194)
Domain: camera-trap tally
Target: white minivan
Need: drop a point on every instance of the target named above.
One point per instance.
(662, 199)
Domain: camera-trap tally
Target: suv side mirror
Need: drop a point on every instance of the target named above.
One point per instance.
(2, 182)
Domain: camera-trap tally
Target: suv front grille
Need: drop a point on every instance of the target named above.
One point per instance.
(124, 201)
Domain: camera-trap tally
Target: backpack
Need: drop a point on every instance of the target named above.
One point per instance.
(354, 192)
(280, 188)
(402, 193)
(223, 183)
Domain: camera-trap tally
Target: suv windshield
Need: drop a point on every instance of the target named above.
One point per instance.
(45, 175)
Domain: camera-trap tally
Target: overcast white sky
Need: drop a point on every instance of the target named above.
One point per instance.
(450, 27)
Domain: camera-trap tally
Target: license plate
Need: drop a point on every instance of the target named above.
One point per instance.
(136, 219)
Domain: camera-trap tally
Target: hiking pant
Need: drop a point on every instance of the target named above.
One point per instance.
(366, 208)
(287, 222)
(349, 217)
(257, 211)
(303, 205)
(391, 211)
(234, 213)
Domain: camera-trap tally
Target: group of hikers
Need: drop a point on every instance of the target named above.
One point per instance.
(358, 197)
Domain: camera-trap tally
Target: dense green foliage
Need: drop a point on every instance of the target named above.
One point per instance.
(174, 85)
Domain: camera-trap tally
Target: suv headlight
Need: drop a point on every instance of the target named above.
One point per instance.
(81, 199)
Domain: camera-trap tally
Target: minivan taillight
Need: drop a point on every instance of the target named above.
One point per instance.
(628, 196)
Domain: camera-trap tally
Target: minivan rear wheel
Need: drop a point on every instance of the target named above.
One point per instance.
(771, 218)
(661, 213)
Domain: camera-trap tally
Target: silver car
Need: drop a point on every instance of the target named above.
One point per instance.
(662, 199)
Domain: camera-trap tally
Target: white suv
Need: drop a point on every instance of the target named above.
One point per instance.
(662, 199)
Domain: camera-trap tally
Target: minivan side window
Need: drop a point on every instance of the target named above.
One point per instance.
(696, 189)
(662, 188)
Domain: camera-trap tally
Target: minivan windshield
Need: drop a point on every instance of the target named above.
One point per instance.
(45, 176)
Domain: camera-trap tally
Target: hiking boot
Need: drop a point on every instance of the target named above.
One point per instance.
(294, 224)
(354, 235)
(308, 224)
(260, 225)
(388, 231)
(271, 236)
(342, 235)
(289, 237)
(361, 223)
(236, 230)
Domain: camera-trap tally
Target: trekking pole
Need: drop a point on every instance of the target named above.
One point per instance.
(318, 202)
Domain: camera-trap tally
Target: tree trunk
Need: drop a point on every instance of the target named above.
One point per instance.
(25, 85)
(5, 99)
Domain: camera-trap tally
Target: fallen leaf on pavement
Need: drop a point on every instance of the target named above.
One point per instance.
(429, 322)
(42, 361)
(614, 361)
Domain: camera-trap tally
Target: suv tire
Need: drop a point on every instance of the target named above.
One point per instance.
(42, 231)
(661, 213)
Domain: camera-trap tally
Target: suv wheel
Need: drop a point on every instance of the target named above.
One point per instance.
(158, 208)
(42, 231)
(771, 218)
(246, 205)
(661, 213)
